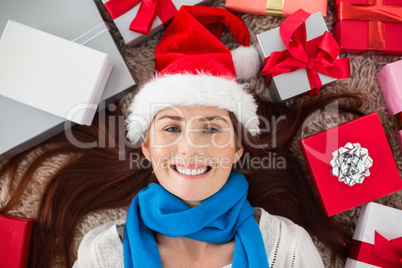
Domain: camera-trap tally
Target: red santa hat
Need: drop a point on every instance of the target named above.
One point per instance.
(193, 67)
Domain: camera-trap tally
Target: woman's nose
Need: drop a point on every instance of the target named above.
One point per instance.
(191, 143)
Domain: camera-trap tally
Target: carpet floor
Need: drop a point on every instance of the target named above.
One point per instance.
(140, 60)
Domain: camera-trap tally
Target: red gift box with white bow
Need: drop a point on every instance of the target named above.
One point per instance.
(345, 174)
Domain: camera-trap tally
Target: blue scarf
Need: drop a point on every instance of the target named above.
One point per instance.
(218, 219)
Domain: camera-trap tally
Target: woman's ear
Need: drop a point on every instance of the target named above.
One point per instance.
(145, 151)
(238, 154)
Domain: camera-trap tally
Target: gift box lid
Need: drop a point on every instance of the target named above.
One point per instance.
(288, 85)
(86, 27)
(271, 40)
(15, 237)
(133, 38)
(374, 22)
(384, 176)
(374, 218)
(390, 81)
(52, 74)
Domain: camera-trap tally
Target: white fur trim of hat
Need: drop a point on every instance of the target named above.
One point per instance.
(188, 90)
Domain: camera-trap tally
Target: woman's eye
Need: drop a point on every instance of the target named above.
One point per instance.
(172, 129)
(212, 130)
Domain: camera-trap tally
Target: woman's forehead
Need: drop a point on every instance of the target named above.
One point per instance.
(186, 112)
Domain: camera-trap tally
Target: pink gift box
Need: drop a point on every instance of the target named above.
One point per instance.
(390, 81)
(335, 195)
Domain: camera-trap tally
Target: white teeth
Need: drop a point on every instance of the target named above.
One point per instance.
(191, 172)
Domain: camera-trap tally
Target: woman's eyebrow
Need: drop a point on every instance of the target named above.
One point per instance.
(213, 118)
(176, 118)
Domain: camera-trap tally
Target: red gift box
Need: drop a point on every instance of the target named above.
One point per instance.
(377, 23)
(15, 237)
(337, 196)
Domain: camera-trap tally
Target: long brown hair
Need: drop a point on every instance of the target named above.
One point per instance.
(95, 179)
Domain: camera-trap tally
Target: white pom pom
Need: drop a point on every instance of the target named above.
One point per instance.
(246, 61)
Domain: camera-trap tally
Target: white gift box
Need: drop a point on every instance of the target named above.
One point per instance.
(132, 38)
(52, 74)
(374, 217)
(22, 126)
(288, 85)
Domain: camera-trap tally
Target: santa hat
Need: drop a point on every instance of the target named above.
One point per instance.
(193, 67)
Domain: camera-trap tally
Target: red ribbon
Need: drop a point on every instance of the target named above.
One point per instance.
(384, 253)
(317, 55)
(147, 12)
(376, 13)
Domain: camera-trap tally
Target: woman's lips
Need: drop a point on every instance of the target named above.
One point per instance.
(191, 171)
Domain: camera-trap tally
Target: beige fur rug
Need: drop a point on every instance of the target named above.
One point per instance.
(140, 60)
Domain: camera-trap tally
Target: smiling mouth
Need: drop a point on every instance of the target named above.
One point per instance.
(191, 172)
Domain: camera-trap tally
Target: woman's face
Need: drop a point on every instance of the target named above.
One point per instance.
(192, 150)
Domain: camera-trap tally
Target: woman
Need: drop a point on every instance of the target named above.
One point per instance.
(197, 214)
(193, 118)
(192, 150)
